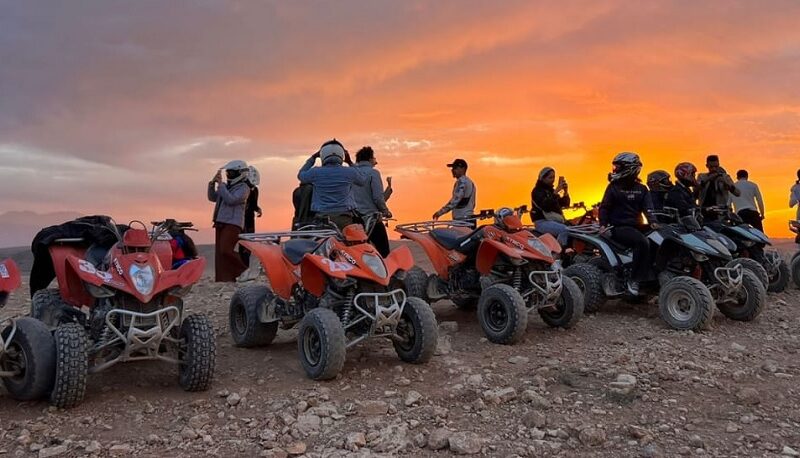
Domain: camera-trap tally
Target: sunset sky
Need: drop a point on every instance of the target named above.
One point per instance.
(128, 108)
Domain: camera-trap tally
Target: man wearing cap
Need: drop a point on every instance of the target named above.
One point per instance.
(462, 204)
(716, 186)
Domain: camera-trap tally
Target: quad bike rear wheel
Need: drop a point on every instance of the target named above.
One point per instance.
(795, 269)
(247, 330)
(32, 356)
(197, 353)
(568, 308)
(750, 301)
(685, 303)
(416, 283)
(780, 278)
(502, 314)
(753, 266)
(588, 279)
(48, 307)
(72, 365)
(321, 344)
(418, 332)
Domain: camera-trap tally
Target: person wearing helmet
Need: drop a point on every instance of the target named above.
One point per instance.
(548, 202)
(371, 199)
(682, 196)
(251, 210)
(716, 188)
(333, 183)
(230, 199)
(794, 195)
(659, 184)
(462, 202)
(625, 200)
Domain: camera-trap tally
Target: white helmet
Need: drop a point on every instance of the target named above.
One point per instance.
(236, 171)
(236, 165)
(254, 177)
(332, 151)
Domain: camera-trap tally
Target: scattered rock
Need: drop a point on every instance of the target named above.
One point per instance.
(120, 449)
(439, 439)
(696, 441)
(52, 451)
(500, 396)
(450, 327)
(592, 437)
(296, 448)
(369, 408)
(749, 396)
(233, 399)
(465, 443)
(444, 346)
(789, 451)
(355, 441)
(738, 347)
(536, 400)
(518, 360)
(534, 419)
(412, 398)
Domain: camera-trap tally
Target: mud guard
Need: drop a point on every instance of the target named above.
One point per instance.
(10, 278)
(438, 255)
(280, 275)
(487, 254)
(550, 242)
(314, 270)
(399, 259)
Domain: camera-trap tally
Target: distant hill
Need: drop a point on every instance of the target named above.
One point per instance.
(17, 228)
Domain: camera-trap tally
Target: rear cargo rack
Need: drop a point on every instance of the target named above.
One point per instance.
(276, 237)
(427, 226)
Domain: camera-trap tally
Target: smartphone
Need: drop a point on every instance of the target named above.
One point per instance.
(561, 180)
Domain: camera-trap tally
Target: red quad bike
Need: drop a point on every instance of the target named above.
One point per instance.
(27, 351)
(339, 290)
(133, 297)
(502, 267)
(794, 226)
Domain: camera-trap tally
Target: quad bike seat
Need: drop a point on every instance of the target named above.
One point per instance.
(617, 247)
(96, 255)
(452, 238)
(295, 249)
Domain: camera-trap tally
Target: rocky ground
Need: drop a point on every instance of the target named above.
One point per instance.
(619, 384)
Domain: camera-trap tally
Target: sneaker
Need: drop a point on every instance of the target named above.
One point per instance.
(633, 288)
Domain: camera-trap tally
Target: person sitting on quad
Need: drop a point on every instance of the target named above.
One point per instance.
(682, 196)
(659, 184)
(333, 183)
(230, 199)
(716, 186)
(371, 198)
(794, 199)
(625, 200)
(547, 204)
(462, 203)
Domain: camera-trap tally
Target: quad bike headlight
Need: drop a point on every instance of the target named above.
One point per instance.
(143, 278)
(375, 264)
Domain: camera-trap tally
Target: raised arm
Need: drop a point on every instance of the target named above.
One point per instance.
(236, 196)
(306, 173)
(212, 191)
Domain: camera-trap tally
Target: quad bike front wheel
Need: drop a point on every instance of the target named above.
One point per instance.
(31, 355)
(795, 270)
(72, 365)
(247, 330)
(502, 314)
(416, 283)
(417, 332)
(568, 309)
(780, 278)
(321, 344)
(48, 307)
(753, 266)
(588, 279)
(197, 354)
(750, 300)
(685, 303)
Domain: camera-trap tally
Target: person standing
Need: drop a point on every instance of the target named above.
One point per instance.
(625, 200)
(716, 186)
(794, 196)
(745, 203)
(251, 210)
(230, 199)
(371, 200)
(333, 183)
(548, 202)
(462, 202)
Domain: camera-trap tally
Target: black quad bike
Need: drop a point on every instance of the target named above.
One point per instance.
(794, 226)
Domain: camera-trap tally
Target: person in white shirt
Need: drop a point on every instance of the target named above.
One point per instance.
(794, 196)
(745, 203)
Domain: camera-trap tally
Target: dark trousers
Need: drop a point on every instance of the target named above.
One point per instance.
(380, 239)
(752, 218)
(227, 263)
(633, 238)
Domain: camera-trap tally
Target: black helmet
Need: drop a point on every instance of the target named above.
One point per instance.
(658, 181)
(626, 165)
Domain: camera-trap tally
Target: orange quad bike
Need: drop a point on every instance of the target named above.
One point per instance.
(338, 290)
(27, 350)
(503, 268)
(125, 303)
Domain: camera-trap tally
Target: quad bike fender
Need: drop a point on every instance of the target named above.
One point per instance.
(551, 243)
(186, 275)
(314, 271)
(164, 252)
(10, 278)
(399, 259)
(488, 251)
(75, 272)
(605, 249)
(441, 258)
(278, 271)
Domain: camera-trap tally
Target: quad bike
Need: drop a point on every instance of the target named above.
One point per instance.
(589, 215)
(133, 292)
(27, 351)
(337, 289)
(751, 244)
(502, 268)
(794, 226)
(691, 270)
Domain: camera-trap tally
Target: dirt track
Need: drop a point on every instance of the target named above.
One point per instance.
(732, 391)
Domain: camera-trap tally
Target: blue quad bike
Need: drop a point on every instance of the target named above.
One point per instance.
(794, 264)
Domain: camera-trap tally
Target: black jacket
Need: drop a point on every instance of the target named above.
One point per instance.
(250, 209)
(624, 203)
(545, 199)
(681, 198)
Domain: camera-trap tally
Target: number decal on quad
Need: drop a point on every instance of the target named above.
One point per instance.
(86, 266)
(337, 266)
(4, 271)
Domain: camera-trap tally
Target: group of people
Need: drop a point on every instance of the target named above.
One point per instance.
(344, 192)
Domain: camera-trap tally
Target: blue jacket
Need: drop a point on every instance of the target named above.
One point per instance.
(371, 197)
(333, 186)
(230, 202)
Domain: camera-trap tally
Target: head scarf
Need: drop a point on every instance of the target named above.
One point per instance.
(544, 172)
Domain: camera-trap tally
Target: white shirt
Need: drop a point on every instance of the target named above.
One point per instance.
(750, 196)
(794, 198)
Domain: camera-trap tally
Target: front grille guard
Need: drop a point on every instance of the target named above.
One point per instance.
(547, 286)
(143, 339)
(385, 317)
(729, 278)
(5, 343)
